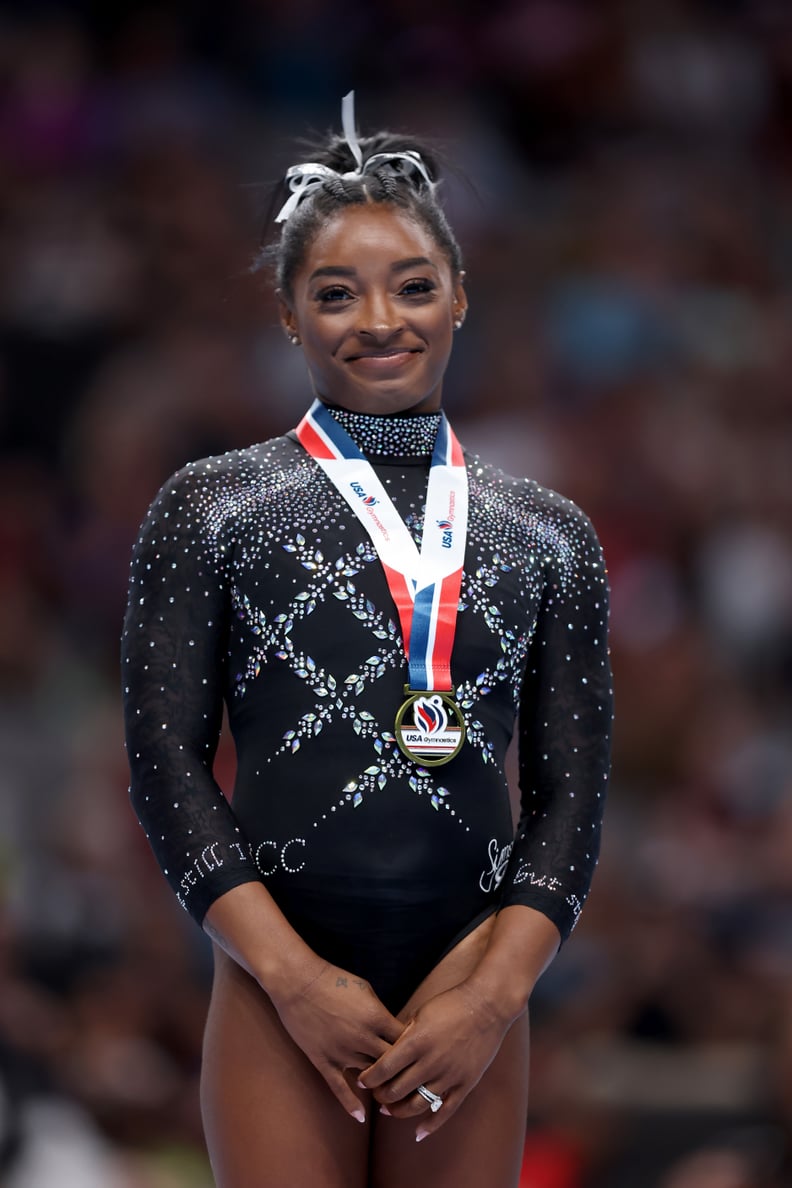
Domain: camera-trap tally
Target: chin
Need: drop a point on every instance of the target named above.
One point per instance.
(384, 403)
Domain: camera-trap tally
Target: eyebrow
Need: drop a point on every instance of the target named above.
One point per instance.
(398, 266)
(413, 262)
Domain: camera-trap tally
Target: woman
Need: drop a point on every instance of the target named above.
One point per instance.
(374, 608)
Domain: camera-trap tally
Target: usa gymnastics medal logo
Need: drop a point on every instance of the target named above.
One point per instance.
(447, 533)
(430, 728)
(360, 491)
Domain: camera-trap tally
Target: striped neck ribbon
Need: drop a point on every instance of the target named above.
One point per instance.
(424, 585)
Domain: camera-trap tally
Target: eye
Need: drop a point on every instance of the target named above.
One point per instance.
(417, 287)
(333, 294)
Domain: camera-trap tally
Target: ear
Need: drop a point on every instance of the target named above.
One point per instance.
(460, 301)
(286, 314)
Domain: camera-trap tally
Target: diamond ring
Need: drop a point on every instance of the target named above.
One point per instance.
(435, 1101)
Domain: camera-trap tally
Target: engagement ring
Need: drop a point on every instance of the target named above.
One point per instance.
(435, 1102)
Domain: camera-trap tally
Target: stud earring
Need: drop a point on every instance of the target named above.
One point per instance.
(458, 323)
(294, 339)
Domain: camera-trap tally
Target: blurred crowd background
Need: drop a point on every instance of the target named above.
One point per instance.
(624, 201)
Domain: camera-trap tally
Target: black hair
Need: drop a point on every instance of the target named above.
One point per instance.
(382, 184)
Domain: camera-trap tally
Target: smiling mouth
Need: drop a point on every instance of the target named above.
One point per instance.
(390, 353)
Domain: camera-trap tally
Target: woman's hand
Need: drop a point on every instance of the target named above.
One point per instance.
(452, 1039)
(446, 1046)
(332, 1015)
(339, 1023)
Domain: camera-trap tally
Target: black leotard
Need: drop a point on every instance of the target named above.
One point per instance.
(253, 581)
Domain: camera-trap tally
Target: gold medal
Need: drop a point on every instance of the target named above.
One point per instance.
(430, 728)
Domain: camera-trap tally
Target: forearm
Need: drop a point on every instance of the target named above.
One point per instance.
(522, 944)
(248, 925)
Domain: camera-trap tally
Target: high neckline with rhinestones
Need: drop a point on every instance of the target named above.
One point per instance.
(390, 437)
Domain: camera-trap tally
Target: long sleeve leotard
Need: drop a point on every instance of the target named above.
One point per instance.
(253, 583)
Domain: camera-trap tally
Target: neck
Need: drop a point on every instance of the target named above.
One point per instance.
(390, 436)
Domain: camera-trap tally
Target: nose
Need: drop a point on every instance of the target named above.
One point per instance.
(378, 317)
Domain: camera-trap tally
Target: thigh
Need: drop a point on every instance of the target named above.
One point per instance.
(483, 1142)
(270, 1120)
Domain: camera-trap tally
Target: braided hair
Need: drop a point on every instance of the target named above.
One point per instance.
(381, 184)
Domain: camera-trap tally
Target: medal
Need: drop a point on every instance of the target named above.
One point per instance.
(429, 728)
(424, 585)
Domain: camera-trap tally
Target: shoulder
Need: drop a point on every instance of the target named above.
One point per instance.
(200, 510)
(544, 512)
(224, 484)
(550, 529)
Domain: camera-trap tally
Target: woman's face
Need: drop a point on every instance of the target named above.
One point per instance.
(374, 305)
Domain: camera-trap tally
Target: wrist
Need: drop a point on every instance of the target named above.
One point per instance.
(498, 994)
(247, 925)
(290, 973)
(521, 945)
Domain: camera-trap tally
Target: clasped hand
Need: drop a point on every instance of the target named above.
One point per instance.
(341, 1025)
(447, 1045)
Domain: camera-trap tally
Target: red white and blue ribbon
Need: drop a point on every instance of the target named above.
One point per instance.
(424, 585)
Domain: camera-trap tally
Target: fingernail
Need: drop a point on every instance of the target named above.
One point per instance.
(360, 1115)
(360, 1085)
(384, 1110)
(421, 1134)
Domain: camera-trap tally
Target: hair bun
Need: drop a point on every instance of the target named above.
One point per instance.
(351, 170)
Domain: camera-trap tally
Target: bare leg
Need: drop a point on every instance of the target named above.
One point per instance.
(269, 1118)
(482, 1143)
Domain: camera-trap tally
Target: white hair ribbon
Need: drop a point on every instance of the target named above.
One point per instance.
(403, 164)
(350, 132)
(304, 179)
